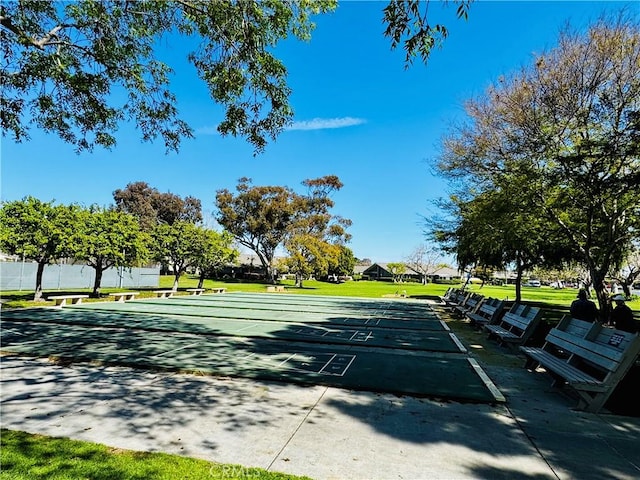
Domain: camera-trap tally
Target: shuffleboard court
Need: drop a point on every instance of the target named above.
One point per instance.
(453, 376)
(190, 308)
(115, 316)
(351, 305)
(352, 309)
(371, 345)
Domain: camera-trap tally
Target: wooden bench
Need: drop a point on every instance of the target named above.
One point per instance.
(122, 296)
(275, 288)
(588, 357)
(516, 326)
(458, 297)
(471, 303)
(164, 293)
(196, 291)
(448, 295)
(488, 313)
(219, 290)
(61, 300)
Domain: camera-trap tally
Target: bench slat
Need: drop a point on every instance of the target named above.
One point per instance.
(517, 325)
(576, 350)
(571, 374)
(607, 358)
(505, 335)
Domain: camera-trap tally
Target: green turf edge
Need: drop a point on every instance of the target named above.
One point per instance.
(32, 457)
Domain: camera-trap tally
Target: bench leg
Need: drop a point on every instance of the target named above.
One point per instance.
(61, 302)
(531, 364)
(592, 403)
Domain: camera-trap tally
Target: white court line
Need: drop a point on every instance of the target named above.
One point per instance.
(356, 333)
(286, 359)
(353, 357)
(29, 342)
(246, 328)
(11, 330)
(175, 350)
(327, 364)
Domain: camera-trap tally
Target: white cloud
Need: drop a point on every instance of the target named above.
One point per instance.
(314, 124)
(325, 123)
(207, 131)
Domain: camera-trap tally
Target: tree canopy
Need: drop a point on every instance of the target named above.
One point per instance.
(152, 207)
(106, 238)
(563, 134)
(77, 69)
(38, 231)
(315, 235)
(177, 244)
(257, 216)
(215, 251)
(66, 59)
(263, 218)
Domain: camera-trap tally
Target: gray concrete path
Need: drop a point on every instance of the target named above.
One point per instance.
(324, 433)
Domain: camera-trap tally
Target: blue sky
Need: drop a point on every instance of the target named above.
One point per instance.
(358, 115)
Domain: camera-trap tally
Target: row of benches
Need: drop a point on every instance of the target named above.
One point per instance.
(512, 328)
(588, 357)
(61, 300)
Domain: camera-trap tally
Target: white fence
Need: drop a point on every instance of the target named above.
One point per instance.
(22, 276)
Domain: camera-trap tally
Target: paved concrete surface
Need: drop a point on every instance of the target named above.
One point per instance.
(320, 432)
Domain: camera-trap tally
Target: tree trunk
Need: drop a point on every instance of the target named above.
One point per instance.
(201, 279)
(266, 261)
(98, 280)
(37, 296)
(176, 280)
(519, 272)
(601, 293)
(270, 274)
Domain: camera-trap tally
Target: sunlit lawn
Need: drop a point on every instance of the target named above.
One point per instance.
(31, 457)
(371, 289)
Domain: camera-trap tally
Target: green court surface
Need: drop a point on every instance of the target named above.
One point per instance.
(408, 309)
(187, 334)
(130, 316)
(195, 307)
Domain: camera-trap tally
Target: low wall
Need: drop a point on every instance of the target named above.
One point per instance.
(22, 276)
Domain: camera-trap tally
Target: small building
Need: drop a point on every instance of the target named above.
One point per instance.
(445, 274)
(380, 271)
(377, 271)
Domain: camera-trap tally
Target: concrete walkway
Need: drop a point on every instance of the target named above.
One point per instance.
(320, 432)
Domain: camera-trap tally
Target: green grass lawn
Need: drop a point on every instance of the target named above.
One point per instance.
(372, 289)
(30, 457)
